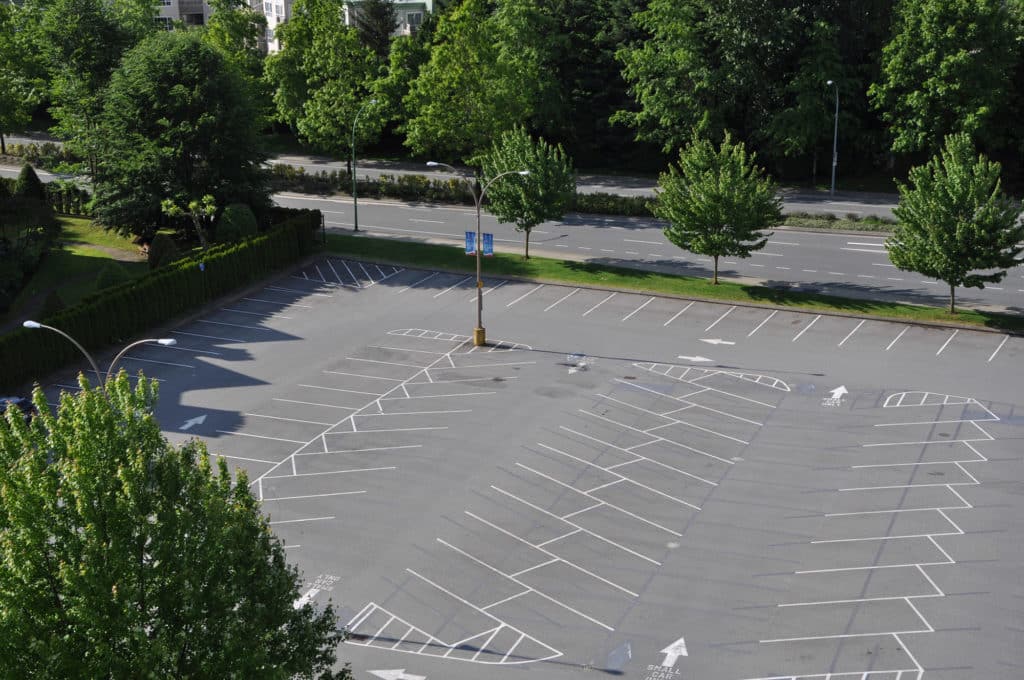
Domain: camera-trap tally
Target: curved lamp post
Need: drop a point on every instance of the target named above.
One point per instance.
(479, 334)
(835, 139)
(355, 200)
(166, 342)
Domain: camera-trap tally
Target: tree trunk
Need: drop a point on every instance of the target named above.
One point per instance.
(952, 299)
(199, 231)
(3, 145)
(526, 256)
(814, 168)
(715, 279)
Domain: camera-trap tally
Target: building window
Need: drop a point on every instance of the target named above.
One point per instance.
(414, 19)
(164, 23)
(268, 8)
(270, 35)
(165, 3)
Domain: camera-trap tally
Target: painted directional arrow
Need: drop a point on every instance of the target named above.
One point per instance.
(198, 420)
(673, 652)
(717, 341)
(838, 392)
(696, 359)
(397, 674)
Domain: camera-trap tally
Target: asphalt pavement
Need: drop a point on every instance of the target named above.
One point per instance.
(618, 484)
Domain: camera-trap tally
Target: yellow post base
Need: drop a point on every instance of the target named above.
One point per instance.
(479, 337)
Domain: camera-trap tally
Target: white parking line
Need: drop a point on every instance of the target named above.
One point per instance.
(260, 436)
(856, 328)
(487, 291)
(716, 321)
(331, 472)
(297, 290)
(233, 325)
(312, 495)
(677, 314)
(894, 340)
(339, 389)
(650, 243)
(278, 302)
(999, 348)
(187, 349)
(152, 361)
(524, 295)
(290, 420)
(767, 319)
(366, 450)
(806, 328)
(313, 403)
(361, 375)
(566, 297)
(649, 301)
(454, 285)
(945, 344)
(423, 280)
(208, 337)
(305, 519)
(262, 314)
(599, 304)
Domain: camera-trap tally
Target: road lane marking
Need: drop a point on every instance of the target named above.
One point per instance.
(652, 243)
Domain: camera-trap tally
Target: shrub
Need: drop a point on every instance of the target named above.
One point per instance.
(53, 304)
(612, 204)
(235, 223)
(28, 184)
(111, 275)
(162, 251)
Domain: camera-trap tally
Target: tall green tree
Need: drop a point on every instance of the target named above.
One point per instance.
(21, 73)
(717, 201)
(526, 201)
(488, 71)
(955, 222)
(178, 123)
(125, 556)
(376, 21)
(236, 29)
(946, 70)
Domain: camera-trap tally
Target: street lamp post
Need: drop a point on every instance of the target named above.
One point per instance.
(835, 140)
(355, 200)
(166, 342)
(479, 333)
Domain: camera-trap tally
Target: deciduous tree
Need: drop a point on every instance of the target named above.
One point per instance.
(123, 555)
(946, 70)
(717, 201)
(955, 222)
(526, 201)
(178, 123)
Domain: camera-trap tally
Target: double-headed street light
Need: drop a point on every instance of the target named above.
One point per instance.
(835, 139)
(166, 342)
(479, 334)
(355, 200)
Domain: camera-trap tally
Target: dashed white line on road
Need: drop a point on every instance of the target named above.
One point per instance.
(783, 267)
(865, 276)
(810, 271)
(752, 264)
(413, 219)
(652, 243)
(837, 274)
(632, 252)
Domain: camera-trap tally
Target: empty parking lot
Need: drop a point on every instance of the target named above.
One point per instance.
(620, 483)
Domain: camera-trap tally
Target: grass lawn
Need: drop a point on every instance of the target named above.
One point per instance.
(584, 274)
(72, 270)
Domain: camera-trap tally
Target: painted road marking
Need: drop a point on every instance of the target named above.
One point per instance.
(263, 314)
(649, 301)
(208, 337)
(677, 314)
(423, 280)
(999, 348)
(806, 328)
(843, 341)
(896, 339)
(524, 295)
(767, 319)
(716, 321)
(278, 302)
(566, 297)
(454, 285)
(599, 304)
(945, 344)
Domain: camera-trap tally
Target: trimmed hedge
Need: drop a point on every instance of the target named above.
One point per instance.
(116, 314)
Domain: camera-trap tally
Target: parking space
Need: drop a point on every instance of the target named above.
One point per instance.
(619, 483)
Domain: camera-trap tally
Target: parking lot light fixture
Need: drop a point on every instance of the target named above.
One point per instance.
(835, 139)
(479, 333)
(165, 342)
(355, 199)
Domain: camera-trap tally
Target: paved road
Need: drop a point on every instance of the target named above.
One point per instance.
(861, 204)
(621, 484)
(851, 265)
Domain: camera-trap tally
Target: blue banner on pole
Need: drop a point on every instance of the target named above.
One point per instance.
(488, 245)
(470, 243)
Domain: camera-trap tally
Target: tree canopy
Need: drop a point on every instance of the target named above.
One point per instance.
(955, 224)
(526, 201)
(125, 555)
(717, 201)
(178, 123)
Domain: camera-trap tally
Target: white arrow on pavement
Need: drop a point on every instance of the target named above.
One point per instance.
(717, 341)
(694, 359)
(673, 652)
(838, 392)
(397, 674)
(198, 420)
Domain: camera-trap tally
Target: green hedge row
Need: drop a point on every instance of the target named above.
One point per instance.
(424, 188)
(116, 314)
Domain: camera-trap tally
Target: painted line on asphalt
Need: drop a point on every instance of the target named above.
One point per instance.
(278, 302)
(677, 314)
(423, 280)
(599, 304)
(290, 420)
(305, 519)
(856, 328)
(566, 297)
(208, 337)
(894, 340)
(716, 321)
(260, 436)
(806, 328)
(999, 348)
(153, 361)
(261, 314)
(766, 320)
(313, 403)
(945, 344)
(525, 295)
(454, 285)
(649, 301)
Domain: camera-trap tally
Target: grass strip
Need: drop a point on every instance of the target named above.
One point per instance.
(430, 256)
